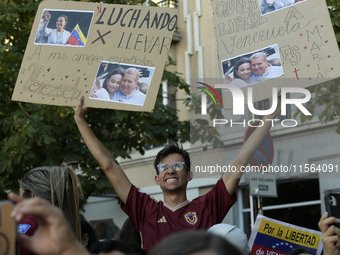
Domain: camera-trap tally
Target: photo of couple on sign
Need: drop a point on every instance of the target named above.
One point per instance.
(268, 6)
(121, 83)
(253, 67)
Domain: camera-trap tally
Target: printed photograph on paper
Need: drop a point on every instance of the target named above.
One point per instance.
(268, 6)
(122, 83)
(253, 67)
(64, 28)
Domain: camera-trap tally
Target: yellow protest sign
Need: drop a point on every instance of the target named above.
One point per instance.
(290, 234)
(271, 236)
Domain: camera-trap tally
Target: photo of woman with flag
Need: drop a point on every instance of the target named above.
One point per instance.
(80, 21)
(59, 35)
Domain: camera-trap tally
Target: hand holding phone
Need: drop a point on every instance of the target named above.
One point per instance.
(330, 235)
(332, 203)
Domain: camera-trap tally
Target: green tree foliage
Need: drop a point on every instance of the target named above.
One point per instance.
(327, 94)
(34, 135)
(334, 12)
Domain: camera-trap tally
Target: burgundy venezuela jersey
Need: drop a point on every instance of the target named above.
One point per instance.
(156, 220)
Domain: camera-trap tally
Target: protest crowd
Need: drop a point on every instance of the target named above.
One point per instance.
(47, 209)
(256, 41)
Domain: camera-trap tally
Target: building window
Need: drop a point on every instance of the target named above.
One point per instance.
(167, 3)
(169, 99)
(293, 205)
(169, 94)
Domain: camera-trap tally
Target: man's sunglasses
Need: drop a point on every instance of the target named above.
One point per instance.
(177, 166)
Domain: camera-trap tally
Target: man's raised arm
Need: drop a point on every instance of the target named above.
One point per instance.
(113, 171)
(247, 151)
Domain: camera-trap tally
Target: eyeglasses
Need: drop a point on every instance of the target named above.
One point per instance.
(177, 166)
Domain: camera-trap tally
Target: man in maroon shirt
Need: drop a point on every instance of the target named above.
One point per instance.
(156, 220)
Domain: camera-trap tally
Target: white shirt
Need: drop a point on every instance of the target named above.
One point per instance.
(54, 37)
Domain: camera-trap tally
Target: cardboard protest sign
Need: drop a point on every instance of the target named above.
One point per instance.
(114, 55)
(276, 237)
(270, 43)
(7, 229)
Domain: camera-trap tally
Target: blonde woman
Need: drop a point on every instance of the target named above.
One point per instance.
(57, 184)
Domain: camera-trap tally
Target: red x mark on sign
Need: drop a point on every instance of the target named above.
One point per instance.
(101, 37)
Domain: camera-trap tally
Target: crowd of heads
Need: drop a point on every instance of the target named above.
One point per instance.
(59, 186)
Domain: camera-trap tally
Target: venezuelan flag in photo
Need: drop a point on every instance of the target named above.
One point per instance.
(77, 37)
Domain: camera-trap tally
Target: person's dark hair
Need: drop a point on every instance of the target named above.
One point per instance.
(298, 251)
(117, 245)
(87, 229)
(117, 70)
(129, 233)
(265, 8)
(66, 19)
(241, 61)
(171, 149)
(185, 243)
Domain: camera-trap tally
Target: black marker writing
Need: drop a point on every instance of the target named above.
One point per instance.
(149, 44)
(263, 35)
(36, 52)
(134, 18)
